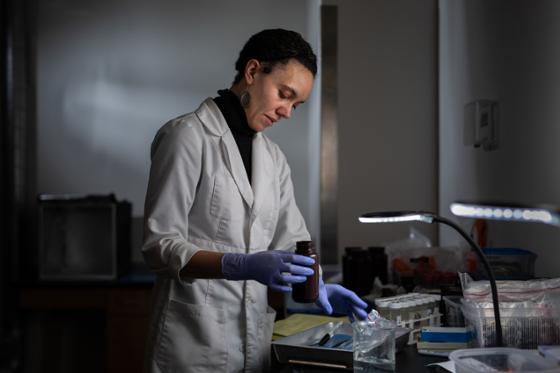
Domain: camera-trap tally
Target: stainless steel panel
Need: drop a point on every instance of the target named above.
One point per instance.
(300, 348)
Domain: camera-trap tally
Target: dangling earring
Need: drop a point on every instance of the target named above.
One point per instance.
(245, 98)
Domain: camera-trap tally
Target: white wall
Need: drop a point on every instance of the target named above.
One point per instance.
(507, 51)
(110, 73)
(387, 115)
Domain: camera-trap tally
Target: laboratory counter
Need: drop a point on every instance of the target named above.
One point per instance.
(112, 321)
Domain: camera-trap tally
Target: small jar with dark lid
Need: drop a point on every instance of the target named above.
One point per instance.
(308, 291)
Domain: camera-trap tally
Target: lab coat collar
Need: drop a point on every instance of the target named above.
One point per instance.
(262, 172)
(212, 118)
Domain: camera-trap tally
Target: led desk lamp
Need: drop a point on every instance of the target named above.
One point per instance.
(428, 217)
(510, 212)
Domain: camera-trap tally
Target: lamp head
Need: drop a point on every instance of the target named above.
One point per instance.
(507, 211)
(396, 216)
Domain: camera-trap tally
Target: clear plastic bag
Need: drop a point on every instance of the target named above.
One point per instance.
(539, 292)
(374, 343)
(415, 260)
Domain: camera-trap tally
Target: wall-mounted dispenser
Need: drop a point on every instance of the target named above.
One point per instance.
(481, 124)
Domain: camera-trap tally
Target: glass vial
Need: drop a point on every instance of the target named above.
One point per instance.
(308, 291)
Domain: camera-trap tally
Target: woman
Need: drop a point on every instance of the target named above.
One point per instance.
(221, 218)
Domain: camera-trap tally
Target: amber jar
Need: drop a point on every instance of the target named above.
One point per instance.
(308, 291)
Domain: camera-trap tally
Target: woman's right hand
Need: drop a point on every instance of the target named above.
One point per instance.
(276, 269)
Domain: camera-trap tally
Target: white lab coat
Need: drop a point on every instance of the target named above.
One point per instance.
(199, 198)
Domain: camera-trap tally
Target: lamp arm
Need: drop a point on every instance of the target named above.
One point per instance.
(491, 278)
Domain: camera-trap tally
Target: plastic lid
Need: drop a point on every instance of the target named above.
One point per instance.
(381, 303)
(421, 301)
(506, 251)
(408, 304)
(415, 303)
(500, 359)
(395, 305)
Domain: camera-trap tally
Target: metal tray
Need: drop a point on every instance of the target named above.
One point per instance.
(299, 349)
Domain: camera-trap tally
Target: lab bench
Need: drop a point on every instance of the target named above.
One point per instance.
(103, 328)
(99, 327)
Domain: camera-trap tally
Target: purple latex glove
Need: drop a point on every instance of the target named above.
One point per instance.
(275, 268)
(333, 297)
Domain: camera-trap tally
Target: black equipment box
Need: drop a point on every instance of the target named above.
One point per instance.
(83, 238)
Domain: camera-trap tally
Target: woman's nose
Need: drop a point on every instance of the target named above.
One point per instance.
(284, 111)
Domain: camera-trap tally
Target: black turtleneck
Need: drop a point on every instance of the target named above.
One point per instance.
(233, 112)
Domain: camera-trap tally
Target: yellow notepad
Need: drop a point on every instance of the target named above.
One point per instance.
(299, 322)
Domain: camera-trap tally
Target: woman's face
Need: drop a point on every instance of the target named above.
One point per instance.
(275, 95)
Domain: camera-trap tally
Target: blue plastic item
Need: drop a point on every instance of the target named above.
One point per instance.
(337, 340)
(445, 334)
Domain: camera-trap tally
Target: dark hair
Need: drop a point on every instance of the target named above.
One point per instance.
(275, 46)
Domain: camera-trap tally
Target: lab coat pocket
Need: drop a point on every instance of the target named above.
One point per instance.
(271, 217)
(192, 339)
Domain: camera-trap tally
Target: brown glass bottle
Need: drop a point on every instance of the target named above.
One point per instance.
(308, 291)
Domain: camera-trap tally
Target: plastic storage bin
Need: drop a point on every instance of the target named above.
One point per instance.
(529, 312)
(509, 263)
(453, 313)
(521, 327)
(412, 310)
(500, 360)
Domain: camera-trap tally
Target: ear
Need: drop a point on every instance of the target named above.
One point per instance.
(251, 70)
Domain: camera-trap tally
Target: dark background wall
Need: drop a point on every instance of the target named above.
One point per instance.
(506, 51)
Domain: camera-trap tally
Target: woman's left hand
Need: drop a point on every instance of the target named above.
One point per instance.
(333, 297)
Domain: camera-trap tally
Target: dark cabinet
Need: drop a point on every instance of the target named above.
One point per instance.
(86, 329)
